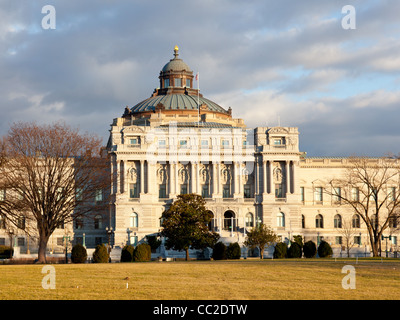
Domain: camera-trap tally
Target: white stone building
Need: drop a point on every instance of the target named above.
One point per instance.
(177, 141)
(166, 145)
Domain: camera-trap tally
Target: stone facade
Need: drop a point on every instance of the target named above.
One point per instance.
(246, 175)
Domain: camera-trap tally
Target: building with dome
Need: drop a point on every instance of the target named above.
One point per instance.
(177, 141)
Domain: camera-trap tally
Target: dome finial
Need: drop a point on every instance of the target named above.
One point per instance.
(176, 49)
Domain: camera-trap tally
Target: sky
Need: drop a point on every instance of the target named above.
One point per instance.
(284, 62)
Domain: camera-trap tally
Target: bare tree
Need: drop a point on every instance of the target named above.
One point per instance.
(50, 175)
(348, 232)
(370, 188)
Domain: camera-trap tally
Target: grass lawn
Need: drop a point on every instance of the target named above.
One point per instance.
(198, 280)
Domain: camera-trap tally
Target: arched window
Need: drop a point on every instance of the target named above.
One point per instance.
(98, 222)
(133, 220)
(249, 220)
(319, 221)
(355, 221)
(337, 221)
(280, 219)
(229, 220)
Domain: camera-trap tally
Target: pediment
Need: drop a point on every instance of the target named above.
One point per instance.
(278, 130)
(132, 129)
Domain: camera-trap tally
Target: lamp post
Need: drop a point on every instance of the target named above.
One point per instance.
(11, 233)
(109, 233)
(66, 238)
(388, 237)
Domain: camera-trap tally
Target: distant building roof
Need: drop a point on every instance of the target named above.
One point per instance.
(200, 124)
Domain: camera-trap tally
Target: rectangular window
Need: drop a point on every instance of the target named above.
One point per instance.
(184, 189)
(318, 194)
(178, 82)
(188, 83)
(338, 240)
(162, 191)
(183, 143)
(394, 240)
(225, 192)
(161, 143)
(357, 240)
(225, 143)
(302, 194)
(278, 190)
(355, 194)
(133, 190)
(204, 143)
(204, 191)
(60, 241)
(2, 241)
(99, 195)
(134, 141)
(336, 194)
(78, 223)
(166, 83)
(21, 242)
(277, 142)
(392, 196)
(247, 193)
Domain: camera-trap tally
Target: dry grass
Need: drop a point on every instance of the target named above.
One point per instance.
(199, 280)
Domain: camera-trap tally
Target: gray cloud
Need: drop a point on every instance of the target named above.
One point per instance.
(262, 58)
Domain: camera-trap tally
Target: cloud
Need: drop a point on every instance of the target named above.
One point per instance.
(265, 59)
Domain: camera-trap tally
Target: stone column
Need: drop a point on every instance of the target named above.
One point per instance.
(171, 179)
(257, 177)
(240, 179)
(271, 178)
(235, 177)
(264, 169)
(142, 176)
(288, 177)
(214, 179)
(176, 180)
(118, 176)
(192, 180)
(197, 167)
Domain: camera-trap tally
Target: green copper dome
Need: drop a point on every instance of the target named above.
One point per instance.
(176, 102)
(176, 64)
